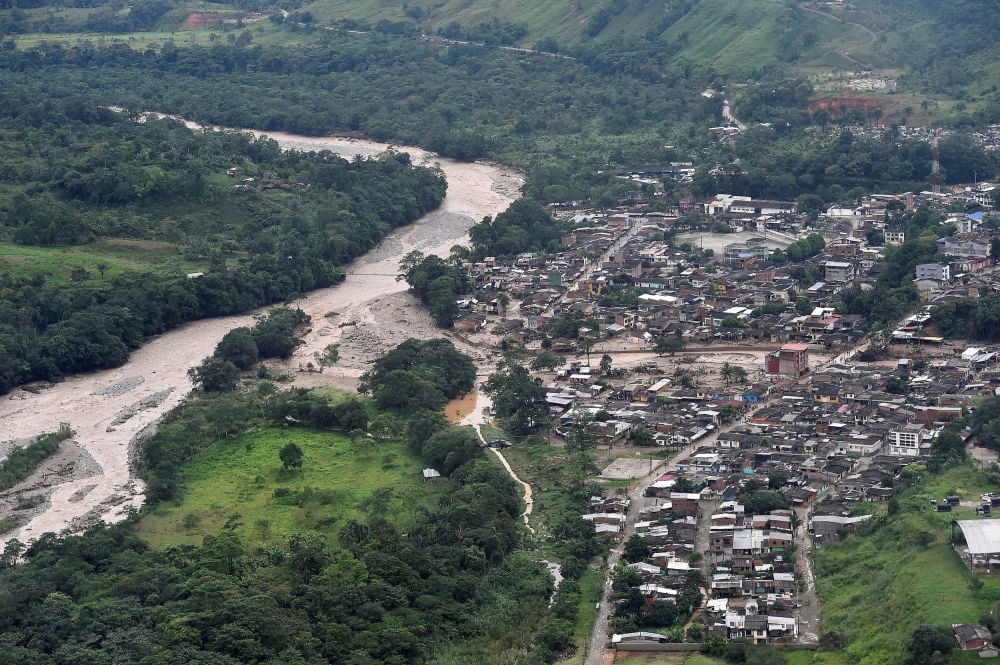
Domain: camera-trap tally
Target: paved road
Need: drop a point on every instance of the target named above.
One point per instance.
(595, 654)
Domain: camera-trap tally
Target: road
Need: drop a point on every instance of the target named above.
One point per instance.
(595, 654)
(872, 35)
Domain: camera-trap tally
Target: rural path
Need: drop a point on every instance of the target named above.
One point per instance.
(872, 35)
(109, 410)
(528, 501)
(477, 419)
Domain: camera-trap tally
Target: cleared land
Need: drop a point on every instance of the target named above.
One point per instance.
(241, 483)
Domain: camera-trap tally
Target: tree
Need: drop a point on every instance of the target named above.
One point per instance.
(641, 436)
(518, 400)
(215, 375)
(585, 345)
(605, 366)
(102, 268)
(547, 361)
(636, 548)
(291, 456)
(947, 449)
(274, 334)
(669, 344)
(328, 357)
(726, 373)
(238, 347)
(929, 644)
(659, 613)
(504, 301)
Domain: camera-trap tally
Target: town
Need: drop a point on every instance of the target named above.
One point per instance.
(714, 332)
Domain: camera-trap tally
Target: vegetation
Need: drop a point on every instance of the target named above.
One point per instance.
(524, 227)
(894, 294)
(436, 283)
(315, 547)
(241, 485)
(107, 175)
(903, 567)
(419, 375)
(518, 400)
(22, 461)
(451, 586)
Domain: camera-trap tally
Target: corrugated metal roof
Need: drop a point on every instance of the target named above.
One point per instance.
(982, 536)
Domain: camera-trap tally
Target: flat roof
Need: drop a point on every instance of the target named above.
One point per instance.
(982, 536)
(795, 347)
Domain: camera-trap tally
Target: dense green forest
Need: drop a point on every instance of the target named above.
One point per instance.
(381, 590)
(736, 39)
(76, 173)
(562, 120)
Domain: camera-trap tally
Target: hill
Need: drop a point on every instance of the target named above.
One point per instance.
(735, 38)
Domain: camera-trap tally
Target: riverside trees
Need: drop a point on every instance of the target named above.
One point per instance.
(155, 185)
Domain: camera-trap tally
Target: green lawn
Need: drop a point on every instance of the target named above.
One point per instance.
(241, 482)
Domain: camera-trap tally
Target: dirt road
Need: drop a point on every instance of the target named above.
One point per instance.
(109, 409)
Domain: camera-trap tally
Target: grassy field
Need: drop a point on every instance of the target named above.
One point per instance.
(241, 482)
(878, 588)
(117, 255)
(590, 593)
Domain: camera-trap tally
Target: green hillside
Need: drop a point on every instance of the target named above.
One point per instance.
(932, 48)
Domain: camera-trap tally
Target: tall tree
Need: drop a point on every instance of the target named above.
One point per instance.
(518, 400)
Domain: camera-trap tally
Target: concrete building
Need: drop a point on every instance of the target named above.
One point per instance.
(906, 440)
(838, 271)
(935, 271)
(789, 360)
(754, 249)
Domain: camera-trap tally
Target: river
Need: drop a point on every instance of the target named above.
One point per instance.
(108, 409)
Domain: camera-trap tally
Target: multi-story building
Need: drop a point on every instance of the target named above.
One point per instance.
(906, 440)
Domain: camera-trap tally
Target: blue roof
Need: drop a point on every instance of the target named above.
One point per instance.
(976, 216)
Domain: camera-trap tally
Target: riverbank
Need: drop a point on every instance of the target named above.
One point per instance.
(109, 409)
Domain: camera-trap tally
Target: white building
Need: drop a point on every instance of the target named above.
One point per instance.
(935, 271)
(907, 440)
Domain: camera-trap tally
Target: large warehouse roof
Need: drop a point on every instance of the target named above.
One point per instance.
(982, 536)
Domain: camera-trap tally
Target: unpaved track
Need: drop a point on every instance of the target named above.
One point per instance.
(474, 191)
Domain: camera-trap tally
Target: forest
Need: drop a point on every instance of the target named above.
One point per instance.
(75, 173)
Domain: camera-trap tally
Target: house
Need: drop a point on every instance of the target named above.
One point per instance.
(829, 528)
(957, 246)
(972, 636)
(838, 271)
(934, 271)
